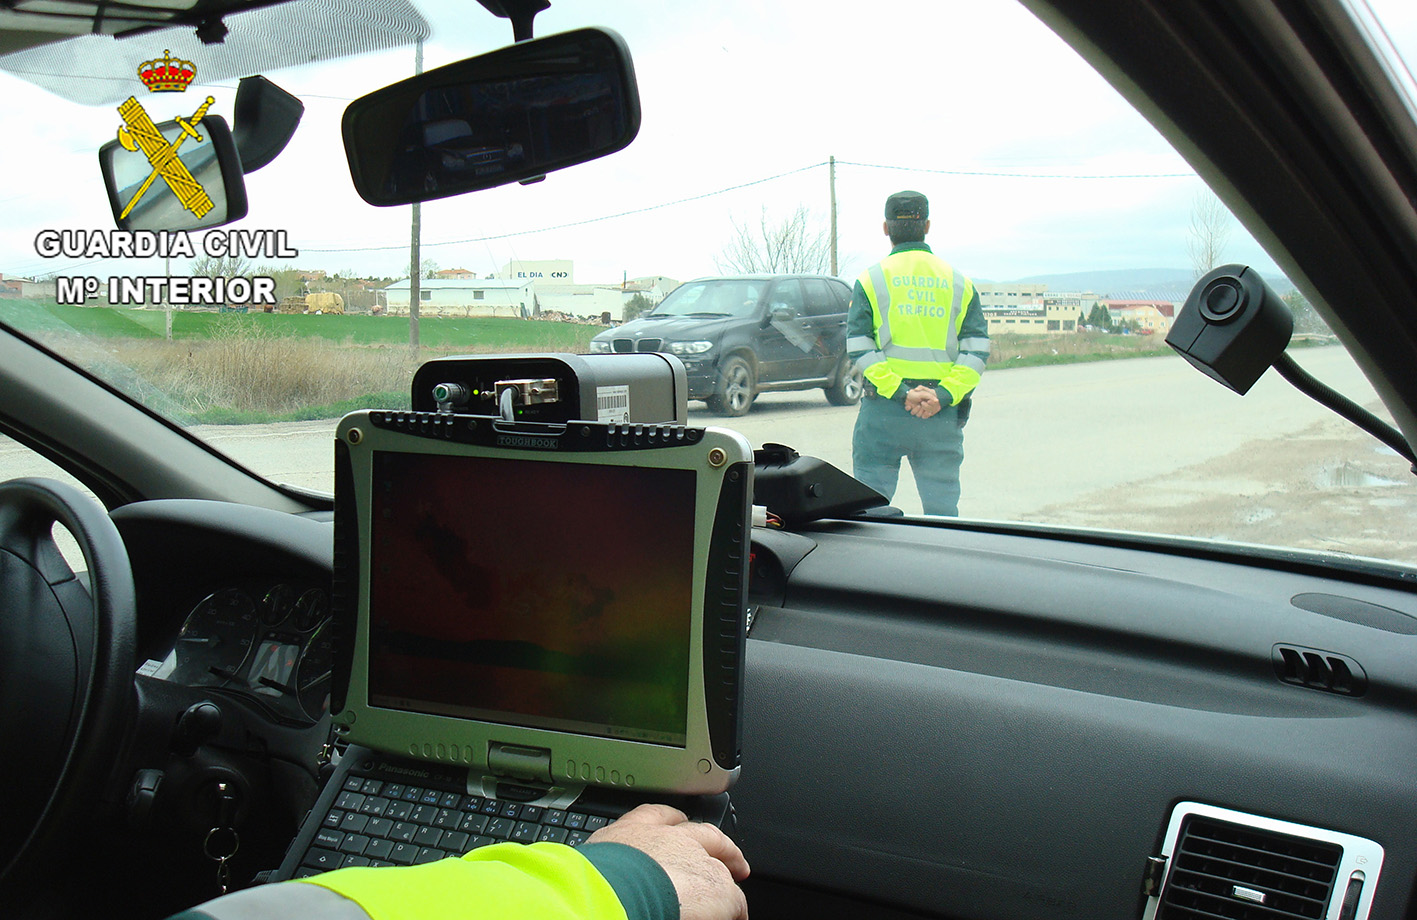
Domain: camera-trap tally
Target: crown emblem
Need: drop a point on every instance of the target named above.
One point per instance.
(165, 75)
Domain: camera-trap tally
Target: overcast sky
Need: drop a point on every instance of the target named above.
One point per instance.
(1030, 160)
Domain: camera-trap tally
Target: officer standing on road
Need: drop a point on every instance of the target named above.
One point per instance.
(918, 333)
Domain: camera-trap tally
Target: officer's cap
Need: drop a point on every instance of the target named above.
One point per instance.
(907, 206)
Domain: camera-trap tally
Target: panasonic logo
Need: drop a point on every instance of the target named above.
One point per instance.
(527, 441)
(406, 771)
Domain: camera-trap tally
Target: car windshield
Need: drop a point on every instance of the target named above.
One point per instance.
(1080, 227)
(712, 298)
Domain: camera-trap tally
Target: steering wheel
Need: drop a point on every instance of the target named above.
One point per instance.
(67, 655)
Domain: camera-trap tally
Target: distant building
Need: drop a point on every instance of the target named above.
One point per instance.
(553, 271)
(557, 293)
(525, 287)
(1017, 295)
(592, 300)
(1064, 311)
(1027, 308)
(465, 297)
(1148, 316)
(657, 287)
(653, 287)
(13, 287)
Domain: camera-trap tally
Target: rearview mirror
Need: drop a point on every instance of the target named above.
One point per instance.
(513, 115)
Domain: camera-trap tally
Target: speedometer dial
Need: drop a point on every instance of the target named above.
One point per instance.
(277, 604)
(311, 609)
(312, 679)
(216, 638)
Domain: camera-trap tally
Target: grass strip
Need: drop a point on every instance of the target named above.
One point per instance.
(220, 415)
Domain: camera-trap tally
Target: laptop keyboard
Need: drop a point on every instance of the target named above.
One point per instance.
(378, 823)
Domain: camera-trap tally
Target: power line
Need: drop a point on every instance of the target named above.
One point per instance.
(577, 223)
(34, 272)
(734, 188)
(723, 191)
(1010, 175)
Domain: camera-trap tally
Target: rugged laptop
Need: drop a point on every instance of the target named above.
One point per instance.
(540, 626)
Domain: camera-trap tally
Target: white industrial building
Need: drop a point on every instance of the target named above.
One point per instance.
(585, 300)
(527, 289)
(465, 297)
(552, 271)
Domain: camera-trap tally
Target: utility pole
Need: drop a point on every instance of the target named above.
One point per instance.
(415, 263)
(166, 296)
(831, 181)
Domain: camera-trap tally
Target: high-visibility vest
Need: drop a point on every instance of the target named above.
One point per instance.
(918, 303)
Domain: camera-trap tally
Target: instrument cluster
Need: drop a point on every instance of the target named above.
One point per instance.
(271, 643)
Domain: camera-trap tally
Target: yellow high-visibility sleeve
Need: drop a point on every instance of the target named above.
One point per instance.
(960, 381)
(536, 881)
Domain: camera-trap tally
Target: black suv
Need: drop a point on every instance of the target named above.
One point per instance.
(739, 336)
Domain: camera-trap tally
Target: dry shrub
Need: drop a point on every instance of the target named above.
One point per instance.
(1054, 348)
(246, 367)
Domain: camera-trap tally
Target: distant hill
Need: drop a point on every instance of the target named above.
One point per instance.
(1171, 284)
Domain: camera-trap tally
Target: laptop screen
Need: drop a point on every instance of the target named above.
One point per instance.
(558, 603)
(550, 595)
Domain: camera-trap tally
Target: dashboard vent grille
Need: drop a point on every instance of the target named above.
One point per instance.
(1235, 872)
(1319, 670)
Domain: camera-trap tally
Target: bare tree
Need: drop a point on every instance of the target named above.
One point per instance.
(1209, 232)
(221, 266)
(796, 243)
(426, 269)
(287, 279)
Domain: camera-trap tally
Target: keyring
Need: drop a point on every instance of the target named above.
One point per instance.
(207, 843)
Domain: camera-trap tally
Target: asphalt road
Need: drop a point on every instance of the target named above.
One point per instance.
(1045, 436)
(1146, 444)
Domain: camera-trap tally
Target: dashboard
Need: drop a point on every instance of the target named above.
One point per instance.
(235, 600)
(1061, 707)
(269, 642)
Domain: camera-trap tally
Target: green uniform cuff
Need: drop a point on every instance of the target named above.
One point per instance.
(641, 884)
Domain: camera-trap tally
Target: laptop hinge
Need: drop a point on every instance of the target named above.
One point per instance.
(519, 762)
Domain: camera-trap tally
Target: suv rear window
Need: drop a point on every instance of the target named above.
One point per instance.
(822, 297)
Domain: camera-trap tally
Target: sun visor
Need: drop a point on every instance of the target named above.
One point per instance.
(100, 69)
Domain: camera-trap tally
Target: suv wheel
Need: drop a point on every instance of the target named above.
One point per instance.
(736, 389)
(849, 383)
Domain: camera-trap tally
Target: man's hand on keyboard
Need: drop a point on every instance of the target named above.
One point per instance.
(701, 861)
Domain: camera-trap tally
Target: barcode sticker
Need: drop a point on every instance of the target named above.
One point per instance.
(612, 404)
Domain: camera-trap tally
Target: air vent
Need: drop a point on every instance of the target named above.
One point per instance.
(1241, 873)
(1221, 864)
(1319, 670)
